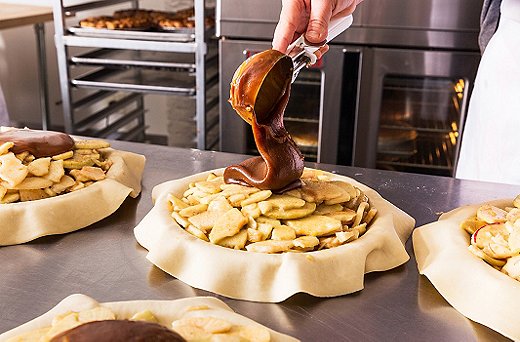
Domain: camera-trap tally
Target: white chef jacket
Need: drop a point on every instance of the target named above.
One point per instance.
(490, 149)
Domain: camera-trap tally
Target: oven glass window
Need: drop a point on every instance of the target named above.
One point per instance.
(302, 114)
(419, 124)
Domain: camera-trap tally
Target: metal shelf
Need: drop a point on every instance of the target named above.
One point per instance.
(179, 35)
(119, 123)
(310, 155)
(114, 107)
(91, 99)
(141, 59)
(415, 165)
(143, 81)
(294, 119)
(69, 10)
(131, 44)
(129, 61)
(423, 153)
(135, 58)
(419, 128)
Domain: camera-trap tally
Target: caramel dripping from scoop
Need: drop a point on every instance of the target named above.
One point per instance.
(280, 164)
(38, 143)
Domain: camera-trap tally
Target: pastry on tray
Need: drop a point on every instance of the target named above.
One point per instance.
(51, 183)
(261, 245)
(472, 257)
(113, 23)
(175, 23)
(81, 318)
(143, 19)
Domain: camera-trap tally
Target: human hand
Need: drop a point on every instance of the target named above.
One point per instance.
(309, 17)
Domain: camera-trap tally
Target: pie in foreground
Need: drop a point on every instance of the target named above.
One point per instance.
(81, 318)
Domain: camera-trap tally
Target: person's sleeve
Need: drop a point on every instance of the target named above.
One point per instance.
(489, 19)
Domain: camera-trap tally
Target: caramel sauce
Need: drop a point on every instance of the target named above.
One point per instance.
(118, 331)
(38, 143)
(280, 164)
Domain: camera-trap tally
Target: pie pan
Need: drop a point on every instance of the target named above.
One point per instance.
(272, 277)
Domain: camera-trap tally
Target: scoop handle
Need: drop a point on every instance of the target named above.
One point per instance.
(337, 25)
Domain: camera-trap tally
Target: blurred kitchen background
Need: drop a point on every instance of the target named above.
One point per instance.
(392, 92)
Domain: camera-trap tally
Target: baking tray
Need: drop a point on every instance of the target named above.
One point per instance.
(177, 35)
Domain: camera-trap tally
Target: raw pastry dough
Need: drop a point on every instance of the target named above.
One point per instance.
(272, 277)
(165, 311)
(25, 221)
(473, 287)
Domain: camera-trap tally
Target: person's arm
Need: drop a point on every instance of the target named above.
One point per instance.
(311, 17)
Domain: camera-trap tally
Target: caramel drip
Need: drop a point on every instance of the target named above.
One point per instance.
(37, 143)
(280, 164)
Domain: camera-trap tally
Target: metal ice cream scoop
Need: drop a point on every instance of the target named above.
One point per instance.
(302, 53)
(262, 80)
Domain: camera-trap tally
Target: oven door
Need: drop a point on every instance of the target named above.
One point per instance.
(412, 109)
(312, 116)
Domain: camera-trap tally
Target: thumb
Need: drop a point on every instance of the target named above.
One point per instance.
(317, 30)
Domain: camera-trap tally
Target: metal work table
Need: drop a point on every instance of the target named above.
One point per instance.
(13, 15)
(105, 262)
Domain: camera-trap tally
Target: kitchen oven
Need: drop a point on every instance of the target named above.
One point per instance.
(391, 93)
(412, 109)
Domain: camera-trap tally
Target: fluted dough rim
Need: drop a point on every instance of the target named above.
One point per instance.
(25, 221)
(165, 311)
(473, 287)
(272, 277)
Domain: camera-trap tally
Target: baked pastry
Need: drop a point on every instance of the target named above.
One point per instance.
(95, 22)
(52, 184)
(179, 19)
(272, 277)
(175, 23)
(121, 23)
(142, 19)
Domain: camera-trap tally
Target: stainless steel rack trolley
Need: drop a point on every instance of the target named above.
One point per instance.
(104, 74)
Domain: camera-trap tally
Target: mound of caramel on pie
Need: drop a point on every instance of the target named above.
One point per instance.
(118, 331)
(280, 164)
(37, 143)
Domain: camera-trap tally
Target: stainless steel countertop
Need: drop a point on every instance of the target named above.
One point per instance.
(105, 262)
